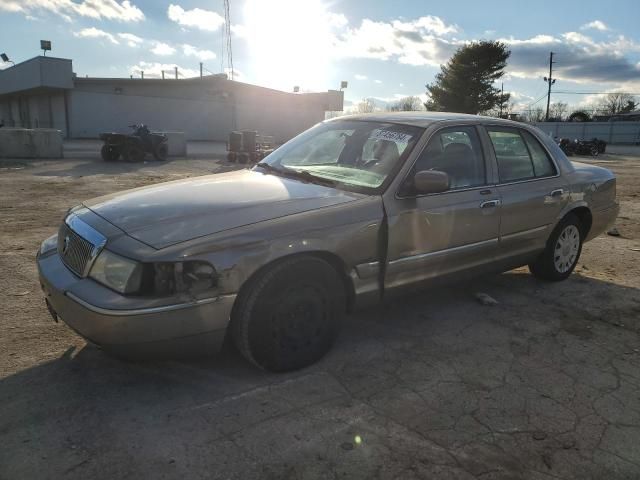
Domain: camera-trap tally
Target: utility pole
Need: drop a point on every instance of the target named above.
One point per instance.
(176, 70)
(200, 69)
(501, 98)
(550, 81)
(162, 74)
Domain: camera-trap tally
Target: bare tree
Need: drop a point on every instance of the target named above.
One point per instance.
(614, 103)
(533, 115)
(508, 108)
(367, 105)
(558, 110)
(406, 104)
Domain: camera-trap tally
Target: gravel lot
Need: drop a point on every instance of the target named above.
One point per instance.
(546, 384)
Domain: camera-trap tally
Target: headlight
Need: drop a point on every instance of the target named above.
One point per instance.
(49, 244)
(118, 273)
(159, 279)
(192, 276)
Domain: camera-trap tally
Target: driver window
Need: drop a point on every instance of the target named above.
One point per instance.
(457, 152)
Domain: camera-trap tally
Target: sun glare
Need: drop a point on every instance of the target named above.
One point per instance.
(290, 43)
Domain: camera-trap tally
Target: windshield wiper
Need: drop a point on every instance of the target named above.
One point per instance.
(298, 174)
(310, 177)
(268, 167)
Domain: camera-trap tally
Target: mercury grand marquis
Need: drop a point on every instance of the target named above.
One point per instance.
(348, 213)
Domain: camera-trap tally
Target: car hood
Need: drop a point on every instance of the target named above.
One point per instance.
(168, 213)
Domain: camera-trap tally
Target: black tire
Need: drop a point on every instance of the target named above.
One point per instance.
(243, 157)
(594, 151)
(231, 156)
(110, 153)
(161, 151)
(289, 315)
(133, 153)
(557, 261)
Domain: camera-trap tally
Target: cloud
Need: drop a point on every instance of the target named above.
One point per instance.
(123, 11)
(578, 58)
(360, 77)
(154, 70)
(95, 33)
(412, 42)
(595, 25)
(428, 24)
(131, 39)
(162, 49)
(197, 18)
(192, 51)
(378, 81)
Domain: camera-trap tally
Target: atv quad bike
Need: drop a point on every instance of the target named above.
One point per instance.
(134, 147)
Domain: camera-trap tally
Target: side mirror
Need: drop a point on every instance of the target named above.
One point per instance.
(431, 181)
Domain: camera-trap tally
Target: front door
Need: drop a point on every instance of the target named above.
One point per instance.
(436, 234)
(533, 194)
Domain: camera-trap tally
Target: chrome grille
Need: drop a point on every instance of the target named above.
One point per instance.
(79, 244)
(75, 251)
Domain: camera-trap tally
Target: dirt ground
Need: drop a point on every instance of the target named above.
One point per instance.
(544, 385)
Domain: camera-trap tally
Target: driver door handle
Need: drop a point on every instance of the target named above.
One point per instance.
(490, 204)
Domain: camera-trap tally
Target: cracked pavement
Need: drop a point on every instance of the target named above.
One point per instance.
(543, 385)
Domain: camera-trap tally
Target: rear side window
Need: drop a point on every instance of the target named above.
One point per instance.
(512, 155)
(542, 164)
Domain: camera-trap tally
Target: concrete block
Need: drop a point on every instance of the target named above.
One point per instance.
(177, 143)
(30, 143)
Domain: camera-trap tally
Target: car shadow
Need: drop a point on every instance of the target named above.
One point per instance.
(86, 413)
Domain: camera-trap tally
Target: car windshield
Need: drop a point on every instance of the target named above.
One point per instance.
(348, 154)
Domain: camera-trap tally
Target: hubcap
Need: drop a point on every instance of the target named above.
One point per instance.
(300, 319)
(566, 249)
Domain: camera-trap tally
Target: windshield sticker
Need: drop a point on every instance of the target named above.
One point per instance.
(397, 137)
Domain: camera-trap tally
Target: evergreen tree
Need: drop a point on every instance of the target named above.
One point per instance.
(465, 83)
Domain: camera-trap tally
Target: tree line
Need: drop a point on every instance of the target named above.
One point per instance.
(466, 84)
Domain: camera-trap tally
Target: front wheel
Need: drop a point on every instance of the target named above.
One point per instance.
(562, 252)
(289, 315)
(161, 151)
(110, 153)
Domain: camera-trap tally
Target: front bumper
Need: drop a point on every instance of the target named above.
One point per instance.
(192, 328)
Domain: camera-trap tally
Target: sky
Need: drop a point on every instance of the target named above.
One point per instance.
(384, 49)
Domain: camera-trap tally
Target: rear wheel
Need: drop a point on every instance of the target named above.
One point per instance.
(289, 315)
(110, 153)
(562, 252)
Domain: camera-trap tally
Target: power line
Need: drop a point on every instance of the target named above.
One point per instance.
(564, 92)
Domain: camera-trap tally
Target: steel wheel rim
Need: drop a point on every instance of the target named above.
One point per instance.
(566, 249)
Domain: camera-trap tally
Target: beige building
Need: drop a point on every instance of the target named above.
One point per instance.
(45, 93)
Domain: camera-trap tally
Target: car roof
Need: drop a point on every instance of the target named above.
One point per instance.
(424, 119)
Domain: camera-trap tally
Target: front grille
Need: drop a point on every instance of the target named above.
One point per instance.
(75, 251)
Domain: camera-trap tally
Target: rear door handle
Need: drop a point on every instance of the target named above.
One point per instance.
(557, 193)
(490, 204)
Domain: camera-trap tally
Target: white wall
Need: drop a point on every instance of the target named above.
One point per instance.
(610, 132)
(204, 111)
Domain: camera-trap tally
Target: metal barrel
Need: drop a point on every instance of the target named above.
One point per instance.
(235, 141)
(249, 140)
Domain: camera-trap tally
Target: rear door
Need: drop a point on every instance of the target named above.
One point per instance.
(531, 189)
(436, 234)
